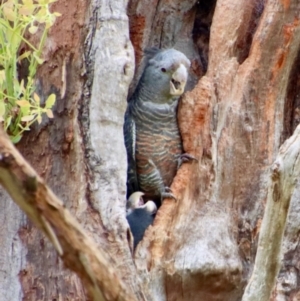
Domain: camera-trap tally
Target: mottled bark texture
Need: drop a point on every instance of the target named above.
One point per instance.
(284, 175)
(203, 247)
(31, 269)
(78, 251)
(89, 65)
(234, 119)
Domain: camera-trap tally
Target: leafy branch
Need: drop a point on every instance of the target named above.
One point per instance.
(20, 106)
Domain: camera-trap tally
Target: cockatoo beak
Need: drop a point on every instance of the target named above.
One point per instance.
(135, 201)
(178, 81)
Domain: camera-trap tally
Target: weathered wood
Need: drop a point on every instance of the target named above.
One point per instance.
(284, 175)
(33, 271)
(80, 153)
(78, 252)
(203, 246)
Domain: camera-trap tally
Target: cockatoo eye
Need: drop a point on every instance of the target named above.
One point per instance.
(163, 70)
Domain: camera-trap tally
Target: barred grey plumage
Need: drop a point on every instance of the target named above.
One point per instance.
(151, 132)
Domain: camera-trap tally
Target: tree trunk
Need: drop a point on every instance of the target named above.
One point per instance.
(90, 74)
(242, 104)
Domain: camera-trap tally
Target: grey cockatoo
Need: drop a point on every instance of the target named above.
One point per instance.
(152, 137)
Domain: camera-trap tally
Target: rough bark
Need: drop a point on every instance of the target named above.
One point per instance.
(48, 213)
(233, 120)
(203, 247)
(84, 64)
(33, 270)
(283, 178)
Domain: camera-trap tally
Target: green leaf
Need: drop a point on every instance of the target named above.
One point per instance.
(35, 111)
(2, 76)
(27, 8)
(26, 111)
(27, 118)
(26, 54)
(15, 139)
(20, 106)
(33, 29)
(16, 86)
(36, 98)
(50, 101)
(38, 59)
(27, 2)
(39, 119)
(49, 113)
(41, 16)
(23, 103)
(22, 88)
(8, 10)
(7, 122)
(2, 109)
